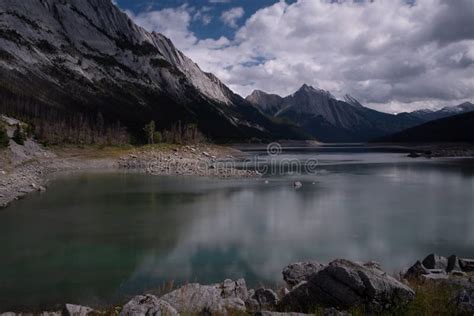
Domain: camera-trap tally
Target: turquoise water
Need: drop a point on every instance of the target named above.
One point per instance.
(99, 238)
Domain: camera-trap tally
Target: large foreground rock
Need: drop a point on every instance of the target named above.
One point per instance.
(297, 272)
(148, 305)
(344, 285)
(220, 299)
(261, 299)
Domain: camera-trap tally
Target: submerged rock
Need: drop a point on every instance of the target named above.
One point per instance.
(210, 299)
(148, 305)
(297, 272)
(297, 185)
(344, 284)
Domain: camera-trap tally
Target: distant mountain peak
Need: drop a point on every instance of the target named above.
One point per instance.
(307, 89)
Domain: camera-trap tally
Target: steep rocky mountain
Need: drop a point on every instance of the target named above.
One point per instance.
(430, 115)
(327, 119)
(458, 128)
(83, 57)
(270, 104)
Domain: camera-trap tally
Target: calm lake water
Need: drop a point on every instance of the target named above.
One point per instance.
(99, 238)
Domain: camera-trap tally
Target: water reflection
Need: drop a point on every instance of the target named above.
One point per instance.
(97, 238)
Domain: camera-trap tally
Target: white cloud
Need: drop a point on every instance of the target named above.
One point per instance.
(390, 55)
(230, 17)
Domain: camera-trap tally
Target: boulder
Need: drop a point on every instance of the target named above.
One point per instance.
(453, 264)
(433, 261)
(77, 310)
(262, 299)
(300, 271)
(220, 299)
(467, 265)
(148, 305)
(416, 271)
(344, 284)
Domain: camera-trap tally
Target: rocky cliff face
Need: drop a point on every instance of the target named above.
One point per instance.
(88, 56)
(324, 117)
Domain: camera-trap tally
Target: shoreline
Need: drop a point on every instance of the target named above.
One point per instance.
(29, 168)
(430, 284)
(32, 173)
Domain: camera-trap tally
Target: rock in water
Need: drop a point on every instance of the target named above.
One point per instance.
(297, 185)
(344, 284)
(219, 299)
(300, 271)
(148, 305)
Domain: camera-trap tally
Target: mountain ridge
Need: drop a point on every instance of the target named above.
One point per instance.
(87, 56)
(457, 128)
(328, 119)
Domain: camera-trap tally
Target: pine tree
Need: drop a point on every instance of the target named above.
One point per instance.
(150, 131)
(4, 140)
(19, 136)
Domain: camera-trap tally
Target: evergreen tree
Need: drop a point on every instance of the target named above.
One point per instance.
(150, 132)
(4, 140)
(19, 136)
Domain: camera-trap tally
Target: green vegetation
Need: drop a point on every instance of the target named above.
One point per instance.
(432, 299)
(19, 135)
(4, 140)
(183, 134)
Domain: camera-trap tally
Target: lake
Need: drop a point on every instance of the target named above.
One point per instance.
(99, 238)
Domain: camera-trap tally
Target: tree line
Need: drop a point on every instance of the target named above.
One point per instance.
(179, 133)
(53, 126)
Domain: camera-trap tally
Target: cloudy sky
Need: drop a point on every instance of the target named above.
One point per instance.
(393, 55)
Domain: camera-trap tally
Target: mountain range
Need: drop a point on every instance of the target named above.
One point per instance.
(328, 119)
(84, 57)
(78, 60)
(457, 128)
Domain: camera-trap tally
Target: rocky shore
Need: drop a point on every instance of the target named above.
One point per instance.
(28, 168)
(189, 160)
(339, 288)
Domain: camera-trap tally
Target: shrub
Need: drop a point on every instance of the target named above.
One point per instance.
(157, 137)
(19, 136)
(4, 139)
(149, 130)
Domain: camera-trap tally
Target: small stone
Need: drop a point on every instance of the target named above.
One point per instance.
(297, 185)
